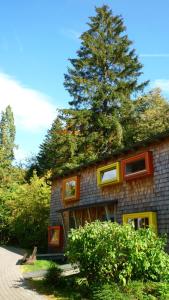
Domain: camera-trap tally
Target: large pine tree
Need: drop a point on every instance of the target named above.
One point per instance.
(103, 77)
(101, 81)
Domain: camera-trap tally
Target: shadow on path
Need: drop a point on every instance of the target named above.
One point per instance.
(22, 283)
(16, 250)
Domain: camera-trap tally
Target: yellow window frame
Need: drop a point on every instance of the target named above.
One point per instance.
(152, 216)
(112, 166)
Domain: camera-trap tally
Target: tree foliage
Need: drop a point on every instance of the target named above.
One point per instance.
(10, 178)
(7, 172)
(24, 206)
(103, 78)
(101, 81)
(105, 112)
(7, 136)
(68, 145)
(24, 209)
(58, 148)
(106, 70)
(29, 207)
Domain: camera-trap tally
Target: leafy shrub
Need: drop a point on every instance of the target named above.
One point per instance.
(107, 292)
(135, 290)
(109, 252)
(29, 212)
(53, 275)
(160, 290)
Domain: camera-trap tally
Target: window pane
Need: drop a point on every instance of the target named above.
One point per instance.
(132, 222)
(143, 222)
(54, 236)
(70, 188)
(137, 223)
(135, 166)
(71, 221)
(108, 175)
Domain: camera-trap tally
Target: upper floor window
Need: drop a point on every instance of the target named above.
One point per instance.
(108, 174)
(71, 189)
(137, 166)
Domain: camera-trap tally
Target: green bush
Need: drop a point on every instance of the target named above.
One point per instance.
(109, 252)
(107, 292)
(28, 204)
(53, 275)
(135, 290)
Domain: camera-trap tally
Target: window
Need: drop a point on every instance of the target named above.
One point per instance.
(55, 236)
(141, 220)
(137, 166)
(109, 174)
(71, 189)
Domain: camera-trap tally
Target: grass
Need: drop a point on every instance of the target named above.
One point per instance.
(53, 293)
(73, 287)
(136, 290)
(37, 266)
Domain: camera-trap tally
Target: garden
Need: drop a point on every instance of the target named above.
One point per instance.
(115, 261)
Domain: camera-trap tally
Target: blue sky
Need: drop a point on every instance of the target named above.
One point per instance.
(38, 36)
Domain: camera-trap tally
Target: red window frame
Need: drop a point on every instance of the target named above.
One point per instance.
(58, 243)
(148, 171)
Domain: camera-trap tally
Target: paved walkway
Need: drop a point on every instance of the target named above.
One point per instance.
(67, 270)
(12, 284)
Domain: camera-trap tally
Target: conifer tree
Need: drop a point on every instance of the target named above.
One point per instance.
(58, 149)
(103, 78)
(7, 135)
(101, 81)
(106, 70)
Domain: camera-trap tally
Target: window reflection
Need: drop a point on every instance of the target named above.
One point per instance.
(139, 222)
(54, 236)
(108, 175)
(70, 189)
(135, 166)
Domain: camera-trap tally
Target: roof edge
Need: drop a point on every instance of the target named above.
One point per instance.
(130, 148)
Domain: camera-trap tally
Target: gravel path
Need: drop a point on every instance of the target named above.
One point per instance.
(12, 284)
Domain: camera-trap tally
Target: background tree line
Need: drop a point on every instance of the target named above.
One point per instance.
(24, 203)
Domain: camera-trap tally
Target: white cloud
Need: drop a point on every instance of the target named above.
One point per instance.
(163, 84)
(33, 110)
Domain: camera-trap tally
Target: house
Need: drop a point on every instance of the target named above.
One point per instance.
(129, 186)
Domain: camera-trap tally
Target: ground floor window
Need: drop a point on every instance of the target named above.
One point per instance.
(55, 235)
(141, 220)
(89, 214)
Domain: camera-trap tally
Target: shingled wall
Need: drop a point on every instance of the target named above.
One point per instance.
(138, 195)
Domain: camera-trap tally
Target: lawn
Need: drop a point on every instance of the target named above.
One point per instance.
(37, 266)
(52, 293)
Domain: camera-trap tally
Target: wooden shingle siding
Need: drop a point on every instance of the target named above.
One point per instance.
(137, 195)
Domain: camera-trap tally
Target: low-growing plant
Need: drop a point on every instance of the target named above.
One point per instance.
(53, 275)
(134, 290)
(109, 252)
(107, 292)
